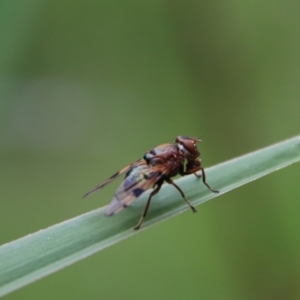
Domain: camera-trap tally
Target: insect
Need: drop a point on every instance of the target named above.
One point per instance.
(156, 167)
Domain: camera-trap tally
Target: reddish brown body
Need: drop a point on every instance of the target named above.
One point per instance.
(157, 166)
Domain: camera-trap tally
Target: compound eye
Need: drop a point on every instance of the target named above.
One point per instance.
(189, 145)
(181, 139)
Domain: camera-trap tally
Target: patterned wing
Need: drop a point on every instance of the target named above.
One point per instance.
(139, 179)
(116, 175)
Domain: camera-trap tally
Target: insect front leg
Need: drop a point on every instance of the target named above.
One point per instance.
(155, 191)
(192, 168)
(204, 180)
(170, 181)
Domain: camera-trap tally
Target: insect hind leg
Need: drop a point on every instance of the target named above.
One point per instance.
(170, 181)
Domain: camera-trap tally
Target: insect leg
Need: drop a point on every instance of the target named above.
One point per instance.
(170, 181)
(204, 181)
(155, 191)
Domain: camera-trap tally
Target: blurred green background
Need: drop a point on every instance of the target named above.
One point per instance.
(88, 87)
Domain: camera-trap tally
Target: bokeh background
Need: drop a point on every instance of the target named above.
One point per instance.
(87, 87)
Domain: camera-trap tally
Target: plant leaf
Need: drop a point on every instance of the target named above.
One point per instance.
(34, 256)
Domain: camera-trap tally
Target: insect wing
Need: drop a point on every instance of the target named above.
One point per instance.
(109, 180)
(138, 180)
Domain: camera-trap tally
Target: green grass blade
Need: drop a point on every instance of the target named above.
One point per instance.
(34, 256)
